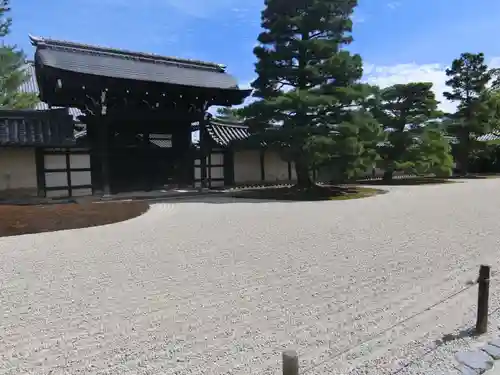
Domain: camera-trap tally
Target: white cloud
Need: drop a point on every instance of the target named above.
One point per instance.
(393, 5)
(388, 75)
(385, 76)
(359, 18)
(205, 8)
(191, 8)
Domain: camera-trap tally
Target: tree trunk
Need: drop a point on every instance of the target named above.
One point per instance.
(463, 163)
(463, 154)
(388, 174)
(304, 180)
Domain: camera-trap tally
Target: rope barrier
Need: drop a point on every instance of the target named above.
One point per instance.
(406, 365)
(391, 328)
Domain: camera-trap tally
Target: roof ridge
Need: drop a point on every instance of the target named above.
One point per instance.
(36, 41)
(231, 125)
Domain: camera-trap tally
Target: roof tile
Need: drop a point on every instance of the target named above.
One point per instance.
(64, 44)
(114, 63)
(225, 134)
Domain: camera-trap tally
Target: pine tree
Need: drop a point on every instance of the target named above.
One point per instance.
(469, 78)
(405, 112)
(12, 69)
(228, 114)
(307, 83)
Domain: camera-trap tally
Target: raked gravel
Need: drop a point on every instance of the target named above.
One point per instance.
(219, 286)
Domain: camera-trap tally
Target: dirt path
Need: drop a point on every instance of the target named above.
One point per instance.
(218, 287)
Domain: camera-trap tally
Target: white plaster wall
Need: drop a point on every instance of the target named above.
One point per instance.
(55, 161)
(217, 159)
(81, 178)
(79, 161)
(17, 169)
(274, 167)
(216, 172)
(247, 166)
(56, 179)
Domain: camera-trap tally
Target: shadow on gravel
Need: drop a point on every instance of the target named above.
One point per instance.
(279, 195)
(449, 337)
(232, 200)
(475, 177)
(414, 181)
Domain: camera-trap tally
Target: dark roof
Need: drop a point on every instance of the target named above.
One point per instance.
(224, 134)
(36, 128)
(488, 138)
(31, 86)
(121, 64)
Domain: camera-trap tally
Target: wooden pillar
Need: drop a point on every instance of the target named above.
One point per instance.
(40, 172)
(146, 164)
(186, 163)
(262, 155)
(203, 153)
(104, 139)
(93, 144)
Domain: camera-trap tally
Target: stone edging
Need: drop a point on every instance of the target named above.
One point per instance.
(478, 361)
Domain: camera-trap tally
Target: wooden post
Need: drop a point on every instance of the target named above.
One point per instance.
(290, 363)
(203, 153)
(262, 160)
(104, 139)
(482, 299)
(104, 145)
(146, 162)
(40, 172)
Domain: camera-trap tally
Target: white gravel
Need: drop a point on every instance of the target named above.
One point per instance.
(216, 286)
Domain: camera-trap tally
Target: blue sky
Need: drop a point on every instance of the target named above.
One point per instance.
(399, 40)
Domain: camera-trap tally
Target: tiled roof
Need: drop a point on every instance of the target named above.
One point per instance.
(31, 86)
(31, 127)
(488, 138)
(224, 134)
(64, 44)
(115, 63)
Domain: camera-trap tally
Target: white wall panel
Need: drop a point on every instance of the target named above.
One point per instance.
(79, 161)
(55, 161)
(55, 179)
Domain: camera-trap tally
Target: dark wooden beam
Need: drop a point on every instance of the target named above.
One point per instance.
(262, 155)
(103, 130)
(68, 172)
(40, 172)
(146, 146)
(104, 139)
(203, 156)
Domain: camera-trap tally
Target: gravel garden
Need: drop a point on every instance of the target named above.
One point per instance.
(224, 285)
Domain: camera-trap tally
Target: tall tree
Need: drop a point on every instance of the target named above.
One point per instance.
(308, 86)
(413, 144)
(468, 81)
(12, 69)
(228, 114)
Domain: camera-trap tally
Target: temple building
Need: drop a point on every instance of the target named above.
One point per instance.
(134, 114)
